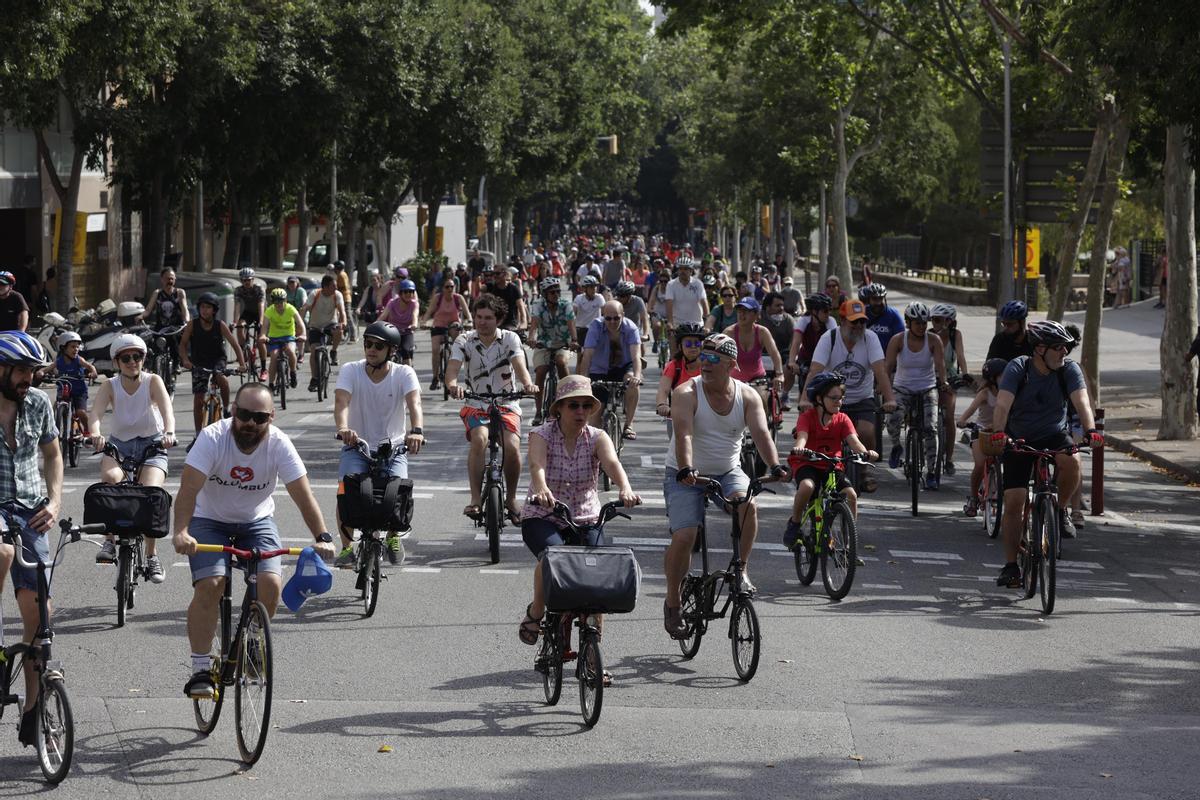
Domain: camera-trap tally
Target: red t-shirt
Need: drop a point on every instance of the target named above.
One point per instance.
(672, 371)
(827, 439)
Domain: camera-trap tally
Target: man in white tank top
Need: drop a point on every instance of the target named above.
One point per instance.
(709, 414)
(918, 366)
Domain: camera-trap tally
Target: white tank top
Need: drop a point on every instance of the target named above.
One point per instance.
(716, 438)
(914, 371)
(130, 419)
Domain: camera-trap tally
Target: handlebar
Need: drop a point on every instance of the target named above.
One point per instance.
(613, 508)
(67, 530)
(814, 455)
(385, 448)
(1019, 446)
(210, 371)
(130, 464)
(170, 330)
(971, 426)
(713, 487)
(248, 555)
(495, 397)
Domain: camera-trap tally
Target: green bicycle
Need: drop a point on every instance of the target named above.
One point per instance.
(829, 534)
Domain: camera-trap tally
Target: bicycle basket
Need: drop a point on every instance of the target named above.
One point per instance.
(365, 506)
(595, 580)
(128, 508)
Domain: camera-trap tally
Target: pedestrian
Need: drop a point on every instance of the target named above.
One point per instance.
(1124, 278)
(14, 311)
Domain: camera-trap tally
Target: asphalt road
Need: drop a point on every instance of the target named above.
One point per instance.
(926, 682)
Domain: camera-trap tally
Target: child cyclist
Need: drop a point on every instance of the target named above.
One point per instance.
(75, 367)
(823, 428)
(984, 403)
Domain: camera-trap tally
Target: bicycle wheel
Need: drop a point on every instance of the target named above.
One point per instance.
(252, 685)
(493, 508)
(372, 564)
(663, 355)
(442, 370)
(208, 710)
(611, 428)
(549, 660)
(550, 386)
(993, 502)
(745, 638)
(1027, 555)
(805, 556)
(1046, 542)
(124, 565)
(212, 411)
(591, 680)
(692, 611)
(63, 420)
(55, 731)
(913, 461)
(841, 550)
(322, 375)
(281, 380)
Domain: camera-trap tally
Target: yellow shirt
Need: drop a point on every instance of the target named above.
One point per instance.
(281, 323)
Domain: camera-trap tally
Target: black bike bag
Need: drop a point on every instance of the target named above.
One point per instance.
(593, 580)
(128, 508)
(365, 506)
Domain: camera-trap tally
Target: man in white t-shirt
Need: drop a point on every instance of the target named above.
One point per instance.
(686, 300)
(225, 498)
(587, 306)
(369, 402)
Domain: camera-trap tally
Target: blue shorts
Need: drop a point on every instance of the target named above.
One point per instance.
(134, 448)
(685, 504)
(541, 532)
(36, 546)
(353, 463)
(279, 342)
(261, 534)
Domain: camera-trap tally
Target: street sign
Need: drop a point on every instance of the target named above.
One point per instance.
(1033, 253)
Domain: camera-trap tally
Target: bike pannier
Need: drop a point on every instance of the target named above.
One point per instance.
(127, 508)
(365, 506)
(598, 580)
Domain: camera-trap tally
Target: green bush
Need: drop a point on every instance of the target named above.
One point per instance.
(420, 267)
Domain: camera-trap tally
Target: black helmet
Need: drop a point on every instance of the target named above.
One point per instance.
(384, 332)
(1050, 333)
(823, 382)
(819, 300)
(993, 368)
(210, 299)
(689, 329)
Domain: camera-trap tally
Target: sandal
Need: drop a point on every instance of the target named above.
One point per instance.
(530, 628)
(513, 516)
(473, 512)
(629, 433)
(607, 679)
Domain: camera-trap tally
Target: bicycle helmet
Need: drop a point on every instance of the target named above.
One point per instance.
(278, 294)
(589, 280)
(818, 301)
(339, 264)
(872, 290)
(822, 382)
(685, 262)
(246, 274)
(19, 349)
(211, 299)
(551, 285)
(917, 312)
(400, 273)
(625, 289)
(686, 329)
(126, 341)
(944, 310)
(993, 368)
(406, 286)
(66, 337)
(7, 278)
(709, 280)
(461, 265)
(1050, 333)
(1013, 311)
(384, 332)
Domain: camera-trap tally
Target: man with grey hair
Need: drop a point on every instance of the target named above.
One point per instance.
(612, 352)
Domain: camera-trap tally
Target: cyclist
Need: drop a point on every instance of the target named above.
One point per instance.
(510, 292)
(249, 305)
(983, 406)
(325, 308)
(587, 306)
(142, 417)
(69, 364)
(226, 497)
(884, 320)
(633, 307)
(683, 366)
(284, 327)
(612, 351)
(1032, 405)
(684, 295)
(551, 325)
(709, 414)
(494, 361)
(565, 454)
(658, 303)
(833, 288)
(823, 428)
(403, 311)
(918, 366)
(296, 295)
(201, 347)
(724, 314)
(368, 305)
(167, 305)
(33, 495)
(943, 321)
(368, 405)
(1011, 341)
(752, 340)
(807, 333)
(343, 286)
(780, 325)
(448, 308)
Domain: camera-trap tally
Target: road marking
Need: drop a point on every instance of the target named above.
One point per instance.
(920, 554)
(1129, 600)
(493, 571)
(652, 577)
(647, 461)
(181, 564)
(314, 419)
(959, 590)
(1086, 564)
(1189, 573)
(421, 569)
(882, 586)
(931, 561)
(1148, 576)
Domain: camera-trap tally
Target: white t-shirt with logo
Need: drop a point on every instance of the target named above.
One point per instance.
(686, 301)
(854, 365)
(239, 486)
(378, 411)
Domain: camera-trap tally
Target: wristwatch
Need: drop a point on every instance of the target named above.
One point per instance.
(325, 537)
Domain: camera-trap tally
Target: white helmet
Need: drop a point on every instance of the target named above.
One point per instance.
(944, 310)
(917, 311)
(126, 341)
(66, 337)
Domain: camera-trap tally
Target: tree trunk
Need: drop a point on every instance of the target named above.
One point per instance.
(302, 216)
(68, 202)
(1095, 302)
(353, 231)
(1068, 249)
(233, 234)
(839, 245)
(253, 226)
(1178, 419)
(154, 244)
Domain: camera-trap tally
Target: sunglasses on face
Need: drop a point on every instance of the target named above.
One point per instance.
(710, 358)
(693, 342)
(130, 358)
(859, 323)
(575, 405)
(257, 417)
(612, 319)
(1060, 348)
(375, 344)
(938, 320)
(727, 296)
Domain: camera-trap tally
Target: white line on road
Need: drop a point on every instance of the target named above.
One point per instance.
(931, 561)
(487, 571)
(920, 554)
(1148, 576)
(421, 569)
(647, 461)
(882, 586)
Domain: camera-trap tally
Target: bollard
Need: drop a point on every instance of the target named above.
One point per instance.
(1098, 470)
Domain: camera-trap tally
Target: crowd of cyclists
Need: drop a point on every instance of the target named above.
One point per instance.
(855, 360)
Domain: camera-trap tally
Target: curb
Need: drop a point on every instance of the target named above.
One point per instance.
(1189, 474)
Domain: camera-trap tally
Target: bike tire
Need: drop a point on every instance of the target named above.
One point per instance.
(124, 565)
(550, 658)
(371, 579)
(914, 468)
(692, 610)
(610, 427)
(322, 375)
(281, 381)
(493, 505)
(663, 355)
(252, 685)
(1027, 556)
(208, 710)
(55, 730)
(993, 501)
(591, 680)
(63, 420)
(550, 386)
(442, 371)
(805, 556)
(745, 638)
(840, 552)
(1047, 542)
(212, 411)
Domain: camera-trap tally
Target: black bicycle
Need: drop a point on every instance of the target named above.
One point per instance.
(55, 725)
(163, 355)
(493, 511)
(555, 634)
(284, 375)
(612, 420)
(453, 331)
(915, 457)
(549, 387)
(251, 331)
(702, 593)
(71, 431)
(321, 341)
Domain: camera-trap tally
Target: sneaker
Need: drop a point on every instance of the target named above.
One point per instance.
(107, 554)
(312, 385)
(1010, 577)
(433, 385)
(791, 534)
(200, 686)
(1068, 527)
(292, 381)
(949, 468)
(654, 347)
(1077, 518)
(345, 559)
(971, 507)
(154, 570)
(896, 457)
(538, 420)
(27, 734)
(932, 483)
(395, 549)
(262, 376)
(333, 357)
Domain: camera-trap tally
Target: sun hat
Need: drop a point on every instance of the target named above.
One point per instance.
(572, 386)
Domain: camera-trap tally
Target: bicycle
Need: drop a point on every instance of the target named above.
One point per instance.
(914, 446)
(555, 632)
(244, 658)
(702, 592)
(284, 375)
(319, 347)
(55, 724)
(163, 354)
(990, 497)
(749, 458)
(214, 409)
(453, 331)
(493, 510)
(830, 532)
(612, 420)
(250, 350)
(550, 381)
(71, 431)
(129, 522)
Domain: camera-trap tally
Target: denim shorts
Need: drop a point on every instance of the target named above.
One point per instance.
(134, 448)
(354, 463)
(541, 532)
(261, 534)
(279, 342)
(35, 546)
(685, 504)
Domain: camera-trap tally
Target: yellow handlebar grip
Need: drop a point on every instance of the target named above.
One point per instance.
(210, 548)
(295, 551)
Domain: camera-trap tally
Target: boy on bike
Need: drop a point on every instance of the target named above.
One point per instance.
(75, 368)
(202, 347)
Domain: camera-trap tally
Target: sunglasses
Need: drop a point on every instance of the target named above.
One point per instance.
(693, 342)
(859, 323)
(575, 405)
(727, 296)
(375, 344)
(937, 319)
(130, 358)
(710, 358)
(612, 319)
(407, 291)
(257, 417)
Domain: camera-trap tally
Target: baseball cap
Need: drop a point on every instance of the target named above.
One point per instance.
(787, 281)
(748, 303)
(311, 577)
(852, 310)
